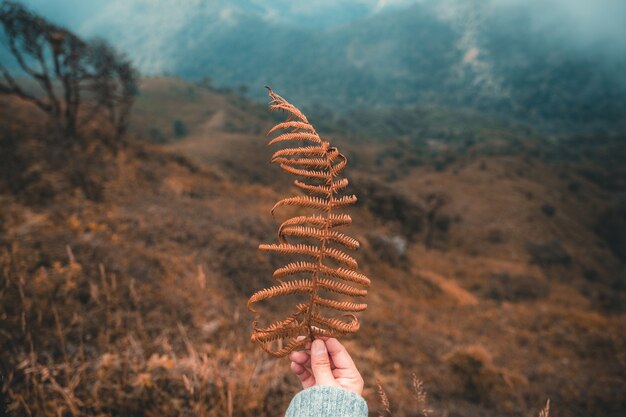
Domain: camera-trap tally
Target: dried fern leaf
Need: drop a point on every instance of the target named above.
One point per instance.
(347, 275)
(285, 288)
(294, 268)
(279, 103)
(339, 305)
(337, 168)
(341, 257)
(302, 151)
(279, 333)
(303, 162)
(302, 201)
(312, 251)
(291, 321)
(312, 233)
(293, 125)
(333, 220)
(341, 287)
(336, 324)
(318, 164)
(289, 249)
(297, 136)
(294, 344)
(321, 175)
(344, 201)
(322, 189)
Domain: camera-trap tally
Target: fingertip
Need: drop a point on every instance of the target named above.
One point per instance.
(296, 367)
(303, 374)
(340, 356)
(318, 348)
(333, 341)
(300, 357)
(334, 346)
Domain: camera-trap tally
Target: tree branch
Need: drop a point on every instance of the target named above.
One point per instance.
(14, 89)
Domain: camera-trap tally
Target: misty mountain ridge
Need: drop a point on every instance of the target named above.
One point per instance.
(512, 61)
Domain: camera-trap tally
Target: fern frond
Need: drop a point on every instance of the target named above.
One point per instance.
(334, 221)
(344, 201)
(291, 125)
(338, 167)
(279, 333)
(323, 189)
(315, 189)
(285, 288)
(279, 103)
(288, 249)
(298, 136)
(294, 344)
(339, 305)
(304, 172)
(336, 324)
(303, 162)
(294, 268)
(301, 151)
(341, 257)
(302, 201)
(291, 321)
(346, 274)
(319, 165)
(310, 232)
(319, 221)
(341, 287)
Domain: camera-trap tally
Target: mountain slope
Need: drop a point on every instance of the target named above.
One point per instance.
(527, 60)
(496, 59)
(491, 278)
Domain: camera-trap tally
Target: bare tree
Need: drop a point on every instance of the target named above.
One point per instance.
(112, 81)
(80, 80)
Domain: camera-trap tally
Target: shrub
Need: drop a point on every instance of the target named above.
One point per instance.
(478, 379)
(503, 286)
(611, 226)
(386, 203)
(179, 128)
(548, 210)
(388, 249)
(548, 254)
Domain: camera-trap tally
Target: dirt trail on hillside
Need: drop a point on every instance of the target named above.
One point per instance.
(214, 123)
(448, 287)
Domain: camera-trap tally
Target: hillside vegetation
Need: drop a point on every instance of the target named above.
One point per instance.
(497, 259)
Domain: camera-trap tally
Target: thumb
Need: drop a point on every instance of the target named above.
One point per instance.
(320, 364)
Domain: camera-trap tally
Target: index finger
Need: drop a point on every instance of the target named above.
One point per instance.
(340, 356)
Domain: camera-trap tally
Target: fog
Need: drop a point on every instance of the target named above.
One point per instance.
(585, 23)
(557, 60)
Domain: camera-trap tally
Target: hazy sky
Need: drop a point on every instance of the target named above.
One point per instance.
(583, 23)
(594, 18)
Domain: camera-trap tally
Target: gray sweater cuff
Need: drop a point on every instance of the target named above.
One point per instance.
(323, 401)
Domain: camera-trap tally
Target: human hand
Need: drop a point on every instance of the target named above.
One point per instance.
(329, 364)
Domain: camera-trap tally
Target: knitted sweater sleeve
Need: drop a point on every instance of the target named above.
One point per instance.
(323, 401)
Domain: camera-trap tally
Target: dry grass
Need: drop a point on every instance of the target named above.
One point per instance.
(545, 411)
(384, 401)
(420, 408)
(80, 345)
(421, 397)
